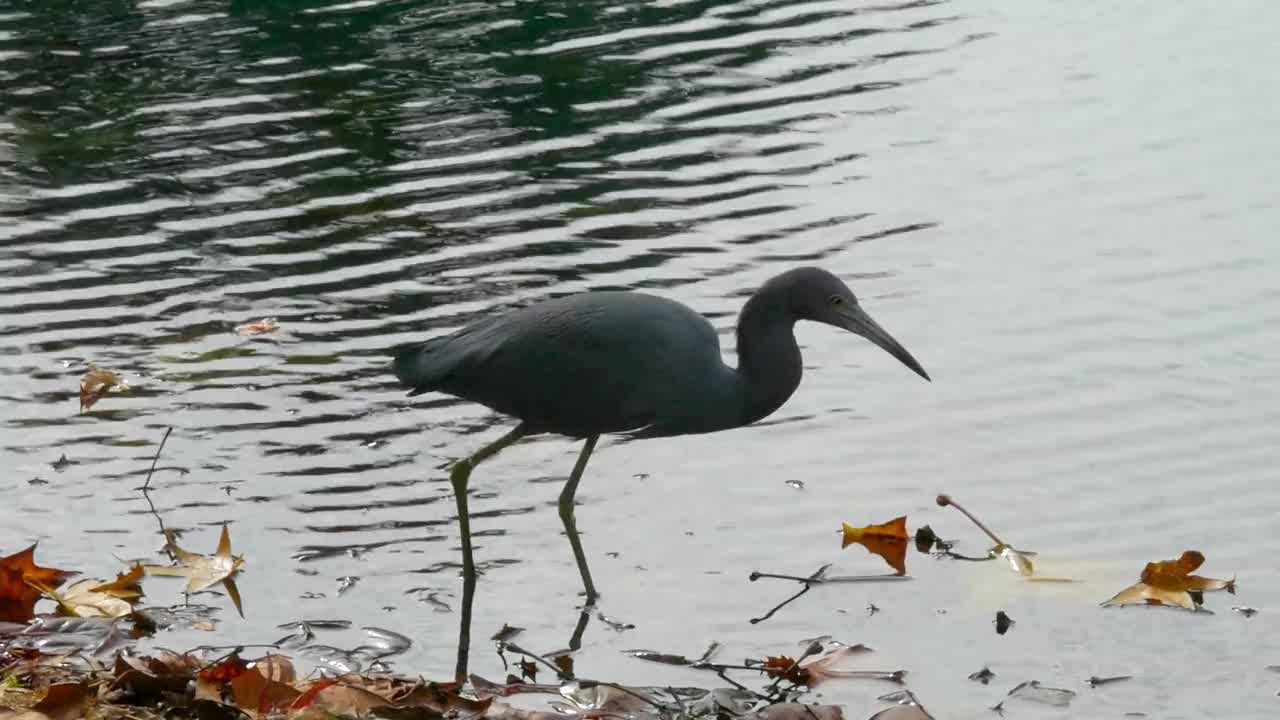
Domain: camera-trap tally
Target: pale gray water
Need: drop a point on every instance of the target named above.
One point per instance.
(1066, 211)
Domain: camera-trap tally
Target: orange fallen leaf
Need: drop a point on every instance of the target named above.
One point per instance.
(126, 586)
(224, 671)
(95, 384)
(888, 540)
(1170, 583)
(17, 597)
(1176, 575)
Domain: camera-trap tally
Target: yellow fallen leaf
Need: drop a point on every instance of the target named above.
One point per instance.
(204, 571)
(83, 599)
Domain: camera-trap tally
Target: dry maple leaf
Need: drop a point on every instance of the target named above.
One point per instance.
(17, 597)
(261, 327)
(785, 668)
(95, 384)
(888, 540)
(1170, 583)
(204, 571)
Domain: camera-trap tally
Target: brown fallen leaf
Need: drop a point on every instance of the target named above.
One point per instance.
(1170, 583)
(145, 679)
(347, 700)
(17, 596)
(255, 692)
(204, 571)
(888, 540)
(95, 384)
(63, 701)
(260, 327)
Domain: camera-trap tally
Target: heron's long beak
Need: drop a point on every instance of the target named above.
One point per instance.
(858, 321)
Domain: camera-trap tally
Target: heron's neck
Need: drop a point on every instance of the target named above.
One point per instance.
(769, 365)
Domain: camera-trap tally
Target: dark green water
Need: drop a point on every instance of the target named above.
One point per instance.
(1066, 211)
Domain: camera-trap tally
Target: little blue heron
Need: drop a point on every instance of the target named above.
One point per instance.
(599, 363)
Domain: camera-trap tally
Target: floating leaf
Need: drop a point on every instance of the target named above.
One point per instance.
(908, 707)
(1017, 560)
(204, 571)
(888, 540)
(95, 384)
(1170, 583)
(260, 327)
(1035, 692)
(95, 598)
(1144, 594)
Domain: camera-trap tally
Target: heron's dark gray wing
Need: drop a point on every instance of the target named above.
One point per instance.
(592, 363)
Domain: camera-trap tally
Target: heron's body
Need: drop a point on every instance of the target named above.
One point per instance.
(625, 362)
(599, 363)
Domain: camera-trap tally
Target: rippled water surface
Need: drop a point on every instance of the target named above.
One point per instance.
(1067, 211)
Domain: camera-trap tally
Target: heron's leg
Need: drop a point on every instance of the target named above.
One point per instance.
(459, 475)
(570, 525)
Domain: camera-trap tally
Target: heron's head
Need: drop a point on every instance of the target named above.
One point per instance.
(819, 296)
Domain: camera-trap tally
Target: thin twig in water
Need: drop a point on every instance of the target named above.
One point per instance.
(819, 577)
(781, 605)
(146, 493)
(722, 672)
(146, 485)
(554, 668)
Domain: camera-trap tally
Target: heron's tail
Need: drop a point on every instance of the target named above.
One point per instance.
(420, 368)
